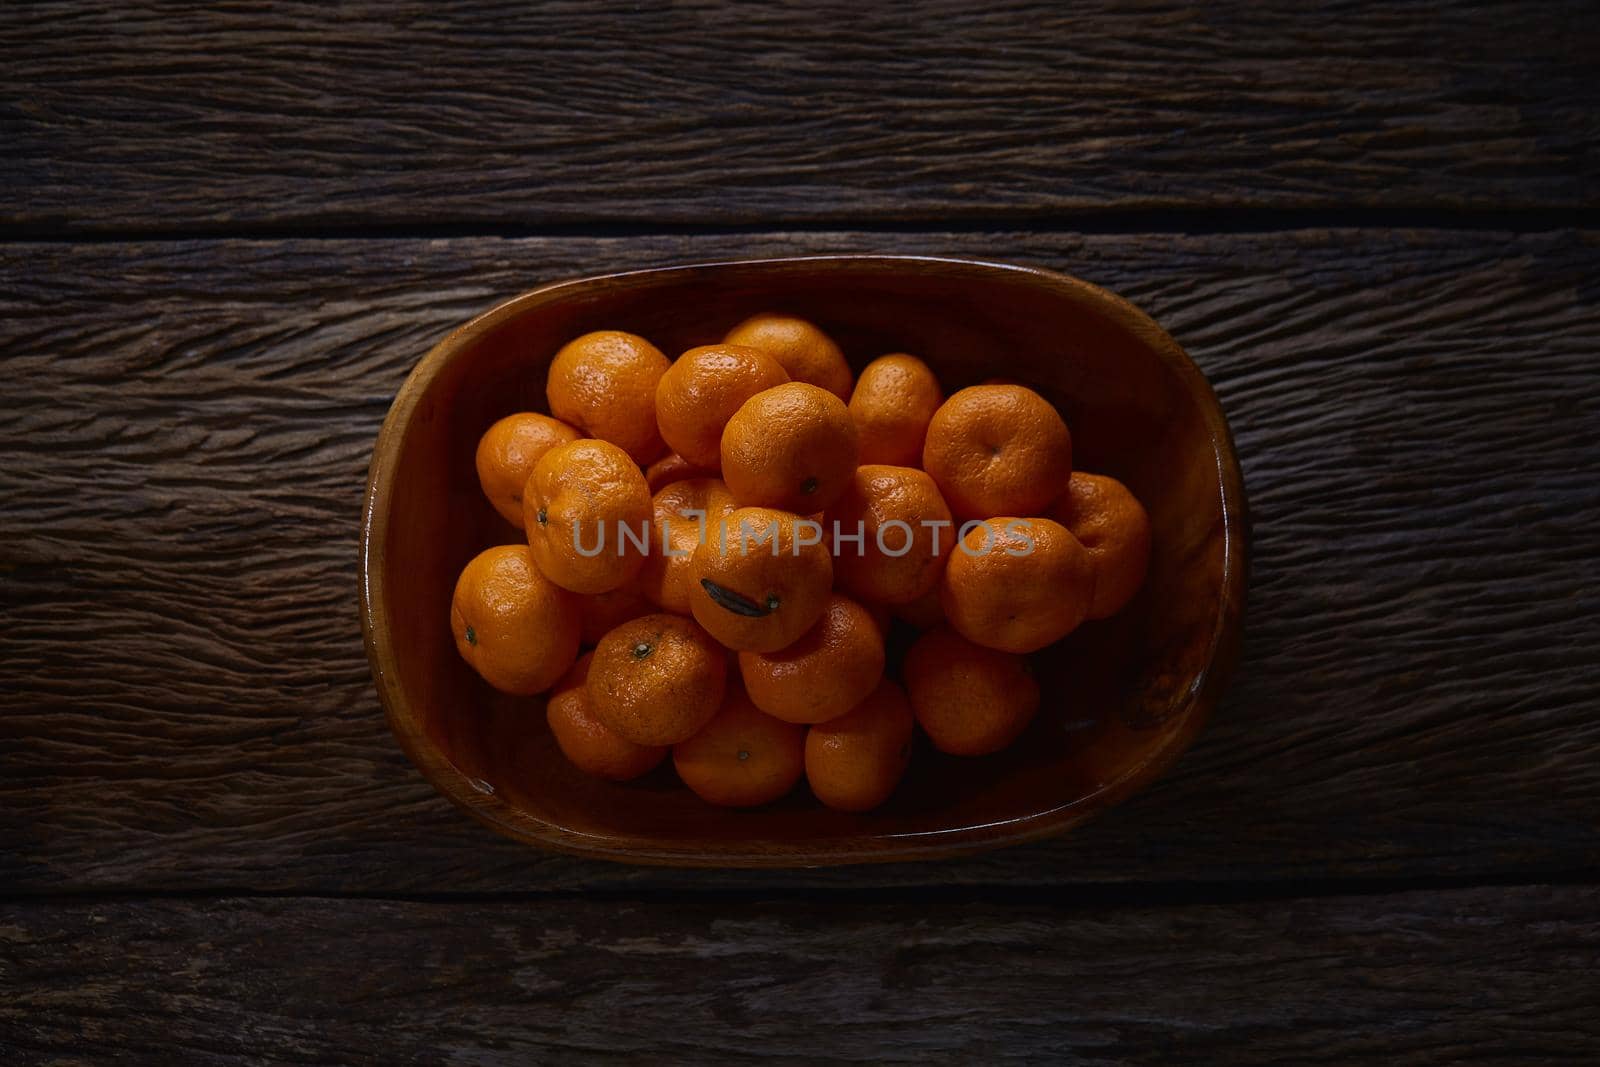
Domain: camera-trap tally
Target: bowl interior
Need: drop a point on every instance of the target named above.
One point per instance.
(1121, 697)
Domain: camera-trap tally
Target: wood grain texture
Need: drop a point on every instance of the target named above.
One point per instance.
(165, 117)
(1492, 976)
(184, 702)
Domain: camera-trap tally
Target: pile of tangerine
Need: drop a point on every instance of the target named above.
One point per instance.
(797, 511)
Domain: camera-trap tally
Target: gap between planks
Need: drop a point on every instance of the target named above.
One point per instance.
(1191, 222)
(1092, 896)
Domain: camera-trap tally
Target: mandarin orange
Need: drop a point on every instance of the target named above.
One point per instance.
(657, 679)
(997, 450)
(516, 628)
(968, 699)
(586, 509)
(1017, 584)
(893, 402)
(604, 383)
(506, 455)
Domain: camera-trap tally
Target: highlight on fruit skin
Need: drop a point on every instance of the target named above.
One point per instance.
(506, 455)
(742, 757)
(1114, 528)
(770, 443)
(894, 401)
(854, 762)
(586, 742)
(514, 626)
(581, 502)
(703, 389)
(657, 679)
(805, 352)
(822, 674)
(758, 584)
(1017, 584)
(998, 450)
(604, 383)
(791, 447)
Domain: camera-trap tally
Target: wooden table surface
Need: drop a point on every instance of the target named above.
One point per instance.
(226, 236)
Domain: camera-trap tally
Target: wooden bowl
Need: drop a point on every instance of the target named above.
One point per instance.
(1121, 697)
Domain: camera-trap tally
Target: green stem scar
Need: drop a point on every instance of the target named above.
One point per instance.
(743, 755)
(737, 602)
(543, 516)
(643, 650)
(808, 486)
(472, 636)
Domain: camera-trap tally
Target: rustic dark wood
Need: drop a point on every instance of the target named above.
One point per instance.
(161, 117)
(1492, 976)
(1121, 699)
(183, 697)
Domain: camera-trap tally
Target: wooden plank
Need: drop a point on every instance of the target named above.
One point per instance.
(186, 703)
(1489, 975)
(165, 118)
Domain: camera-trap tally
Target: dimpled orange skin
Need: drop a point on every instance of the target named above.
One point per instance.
(828, 671)
(1030, 588)
(776, 596)
(893, 402)
(854, 762)
(667, 577)
(657, 679)
(674, 468)
(880, 494)
(742, 757)
(590, 487)
(586, 743)
(1111, 524)
(968, 699)
(998, 450)
(604, 383)
(701, 391)
(507, 453)
(600, 613)
(791, 447)
(515, 627)
(803, 350)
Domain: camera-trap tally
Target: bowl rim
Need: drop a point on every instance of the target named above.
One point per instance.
(477, 798)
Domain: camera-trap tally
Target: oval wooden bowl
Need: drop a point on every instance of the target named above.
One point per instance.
(1121, 698)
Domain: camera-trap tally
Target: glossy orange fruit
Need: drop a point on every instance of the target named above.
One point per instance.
(998, 450)
(854, 762)
(969, 700)
(657, 679)
(586, 743)
(506, 455)
(1114, 528)
(1017, 584)
(516, 628)
(828, 671)
(600, 613)
(604, 383)
(763, 579)
(790, 447)
(905, 529)
(742, 757)
(805, 352)
(701, 391)
(893, 402)
(674, 468)
(685, 514)
(580, 506)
